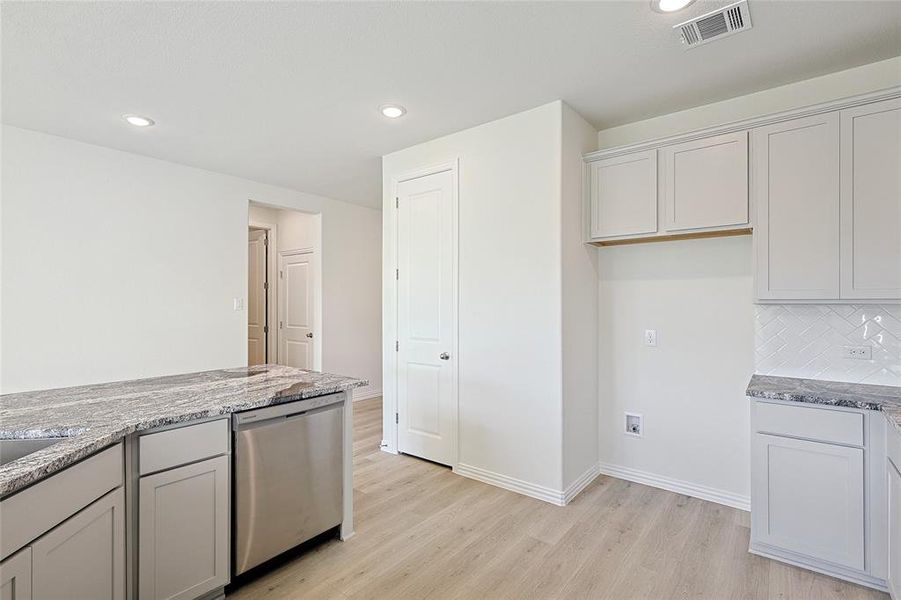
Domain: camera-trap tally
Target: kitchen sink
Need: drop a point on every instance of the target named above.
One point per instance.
(11, 450)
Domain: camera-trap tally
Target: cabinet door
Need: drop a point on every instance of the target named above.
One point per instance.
(183, 528)
(623, 194)
(84, 557)
(707, 182)
(894, 519)
(871, 201)
(796, 190)
(808, 497)
(15, 576)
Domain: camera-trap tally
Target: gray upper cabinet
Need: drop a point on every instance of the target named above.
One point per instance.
(184, 531)
(15, 576)
(84, 557)
(706, 183)
(871, 201)
(622, 195)
(796, 189)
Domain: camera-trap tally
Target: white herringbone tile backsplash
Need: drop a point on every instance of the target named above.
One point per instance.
(805, 340)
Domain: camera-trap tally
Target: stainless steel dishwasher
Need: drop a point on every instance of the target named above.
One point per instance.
(288, 476)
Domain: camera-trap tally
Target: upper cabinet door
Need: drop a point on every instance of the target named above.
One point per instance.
(796, 191)
(707, 182)
(623, 195)
(871, 201)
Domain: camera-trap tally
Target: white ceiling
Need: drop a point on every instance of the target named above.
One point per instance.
(288, 93)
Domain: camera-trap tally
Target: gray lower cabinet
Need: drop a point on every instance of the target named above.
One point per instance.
(84, 557)
(810, 499)
(183, 523)
(15, 576)
(894, 542)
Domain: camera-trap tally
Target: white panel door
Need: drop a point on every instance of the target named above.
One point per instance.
(296, 310)
(808, 497)
(623, 193)
(426, 405)
(871, 201)
(256, 297)
(707, 182)
(796, 188)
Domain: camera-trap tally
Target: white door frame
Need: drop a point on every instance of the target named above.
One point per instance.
(272, 277)
(317, 301)
(389, 306)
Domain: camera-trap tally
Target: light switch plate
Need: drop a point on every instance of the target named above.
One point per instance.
(238, 303)
(650, 337)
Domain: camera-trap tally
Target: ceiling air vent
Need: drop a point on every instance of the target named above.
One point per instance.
(715, 25)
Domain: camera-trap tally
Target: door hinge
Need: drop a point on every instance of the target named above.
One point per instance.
(397, 346)
(281, 325)
(265, 329)
(266, 241)
(397, 274)
(266, 285)
(281, 274)
(396, 202)
(396, 418)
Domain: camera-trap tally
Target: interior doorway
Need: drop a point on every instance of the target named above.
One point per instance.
(257, 296)
(284, 287)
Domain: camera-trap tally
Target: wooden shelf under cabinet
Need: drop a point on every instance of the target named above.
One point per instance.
(689, 235)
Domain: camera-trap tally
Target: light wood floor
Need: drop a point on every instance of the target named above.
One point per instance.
(423, 532)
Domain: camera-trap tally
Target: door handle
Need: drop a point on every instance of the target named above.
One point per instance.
(310, 335)
(444, 356)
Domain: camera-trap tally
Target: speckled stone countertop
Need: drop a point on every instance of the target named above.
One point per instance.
(91, 417)
(885, 398)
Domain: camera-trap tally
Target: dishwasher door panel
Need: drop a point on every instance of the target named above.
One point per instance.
(288, 480)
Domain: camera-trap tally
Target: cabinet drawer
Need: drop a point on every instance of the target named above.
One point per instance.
(175, 447)
(821, 424)
(893, 441)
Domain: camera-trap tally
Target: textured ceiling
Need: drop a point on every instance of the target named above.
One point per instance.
(288, 93)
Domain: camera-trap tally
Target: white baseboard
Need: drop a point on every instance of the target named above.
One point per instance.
(366, 394)
(680, 487)
(519, 486)
(805, 562)
(576, 487)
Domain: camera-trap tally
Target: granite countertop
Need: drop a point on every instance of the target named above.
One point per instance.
(884, 398)
(91, 417)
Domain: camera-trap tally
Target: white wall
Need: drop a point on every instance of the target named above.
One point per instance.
(697, 294)
(834, 86)
(117, 266)
(510, 296)
(580, 313)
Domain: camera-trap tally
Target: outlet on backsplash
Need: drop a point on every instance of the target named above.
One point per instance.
(858, 352)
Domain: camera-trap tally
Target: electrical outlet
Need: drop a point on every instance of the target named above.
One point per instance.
(633, 424)
(650, 338)
(858, 352)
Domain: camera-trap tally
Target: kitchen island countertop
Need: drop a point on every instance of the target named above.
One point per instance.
(91, 417)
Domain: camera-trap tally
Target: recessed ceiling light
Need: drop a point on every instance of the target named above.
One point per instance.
(138, 120)
(393, 111)
(668, 6)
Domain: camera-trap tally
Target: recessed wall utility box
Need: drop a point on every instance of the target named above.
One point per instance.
(633, 424)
